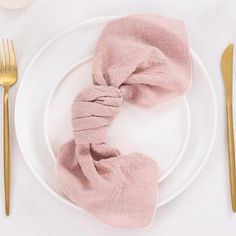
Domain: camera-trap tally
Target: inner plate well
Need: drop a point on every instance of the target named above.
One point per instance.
(160, 132)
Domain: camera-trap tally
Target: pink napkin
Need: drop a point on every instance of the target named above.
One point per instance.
(144, 60)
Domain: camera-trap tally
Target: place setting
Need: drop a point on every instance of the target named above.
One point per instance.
(116, 116)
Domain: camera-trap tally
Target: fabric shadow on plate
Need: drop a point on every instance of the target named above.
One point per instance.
(145, 60)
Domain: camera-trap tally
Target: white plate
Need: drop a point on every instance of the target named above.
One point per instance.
(148, 131)
(47, 69)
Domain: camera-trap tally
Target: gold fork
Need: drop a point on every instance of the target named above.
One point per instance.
(8, 77)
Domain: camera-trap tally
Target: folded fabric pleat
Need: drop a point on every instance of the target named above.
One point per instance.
(144, 60)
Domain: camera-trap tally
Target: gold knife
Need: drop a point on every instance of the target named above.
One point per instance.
(227, 71)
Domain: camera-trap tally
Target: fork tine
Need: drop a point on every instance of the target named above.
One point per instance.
(1, 63)
(8, 60)
(3, 58)
(13, 56)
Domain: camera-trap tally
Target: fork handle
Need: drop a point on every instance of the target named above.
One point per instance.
(6, 152)
(232, 175)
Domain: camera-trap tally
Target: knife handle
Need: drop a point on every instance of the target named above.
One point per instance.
(230, 128)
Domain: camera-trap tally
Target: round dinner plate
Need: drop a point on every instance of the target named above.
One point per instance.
(183, 129)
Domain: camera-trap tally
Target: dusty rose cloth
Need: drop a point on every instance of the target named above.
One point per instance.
(145, 60)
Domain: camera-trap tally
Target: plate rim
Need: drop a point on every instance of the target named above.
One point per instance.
(17, 101)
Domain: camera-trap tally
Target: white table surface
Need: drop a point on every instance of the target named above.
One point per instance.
(204, 208)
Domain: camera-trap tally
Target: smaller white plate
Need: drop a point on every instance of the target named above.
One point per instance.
(149, 131)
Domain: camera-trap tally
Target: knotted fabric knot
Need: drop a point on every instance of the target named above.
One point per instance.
(93, 111)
